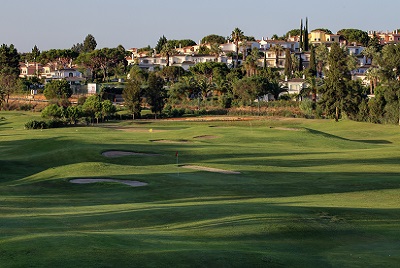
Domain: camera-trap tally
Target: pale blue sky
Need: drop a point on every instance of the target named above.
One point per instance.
(60, 24)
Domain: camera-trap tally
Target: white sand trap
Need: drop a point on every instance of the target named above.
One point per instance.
(113, 154)
(130, 183)
(216, 170)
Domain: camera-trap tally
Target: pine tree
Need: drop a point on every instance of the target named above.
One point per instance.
(335, 89)
(160, 44)
(155, 93)
(89, 44)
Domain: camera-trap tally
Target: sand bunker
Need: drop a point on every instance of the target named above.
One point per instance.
(170, 141)
(205, 137)
(217, 170)
(130, 183)
(113, 154)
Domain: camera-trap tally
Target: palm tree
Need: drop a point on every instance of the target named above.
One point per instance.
(372, 75)
(237, 36)
(369, 53)
(251, 62)
(204, 86)
(275, 89)
(313, 84)
(277, 49)
(321, 56)
(215, 50)
(167, 51)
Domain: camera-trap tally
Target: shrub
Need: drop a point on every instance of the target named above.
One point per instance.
(26, 107)
(55, 123)
(306, 106)
(34, 124)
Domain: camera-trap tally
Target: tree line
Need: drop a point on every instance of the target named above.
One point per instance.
(328, 76)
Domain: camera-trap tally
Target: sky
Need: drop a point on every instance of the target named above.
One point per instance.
(131, 23)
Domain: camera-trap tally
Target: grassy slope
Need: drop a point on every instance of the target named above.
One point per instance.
(326, 195)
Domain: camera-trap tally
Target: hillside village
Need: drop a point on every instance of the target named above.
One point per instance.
(189, 56)
(291, 67)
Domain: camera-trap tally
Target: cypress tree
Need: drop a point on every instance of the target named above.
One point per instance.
(288, 63)
(305, 42)
(313, 66)
(301, 34)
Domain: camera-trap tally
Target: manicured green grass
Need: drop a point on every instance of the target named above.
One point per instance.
(310, 193)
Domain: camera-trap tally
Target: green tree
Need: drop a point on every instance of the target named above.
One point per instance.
(288, 63)
(89, 44)
(327, 31)
(107, 109)
(155, 93)
(57, 90)
(370, 52)
(335, 90)
(312, 66)
(306, 42)
(375, 42)
(251, 62)
(321, 56)
(181, 43)
(9, 60)
(301, 43)
(73, 113)
(275, 88)
(132, 95)
(248, 89)
(277, 49)
(237, 36)
(167, 51)
(52, 111)
(58, 58)
(106, 58)
(389, 61)
(213, 39)
(160, 44)
(34, 55)
(8, 86)
(373, 75)
(215, 50)
(93, 107)
(204, 86)
(355, 35)
(137, 74)
(294, 32)
(172, 73)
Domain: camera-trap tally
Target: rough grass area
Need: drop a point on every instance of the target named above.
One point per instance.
(307, 193)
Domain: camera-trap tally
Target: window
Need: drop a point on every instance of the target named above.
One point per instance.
(333, 39)
(70, 75)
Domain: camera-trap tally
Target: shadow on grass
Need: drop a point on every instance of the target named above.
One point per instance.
(327, 135)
